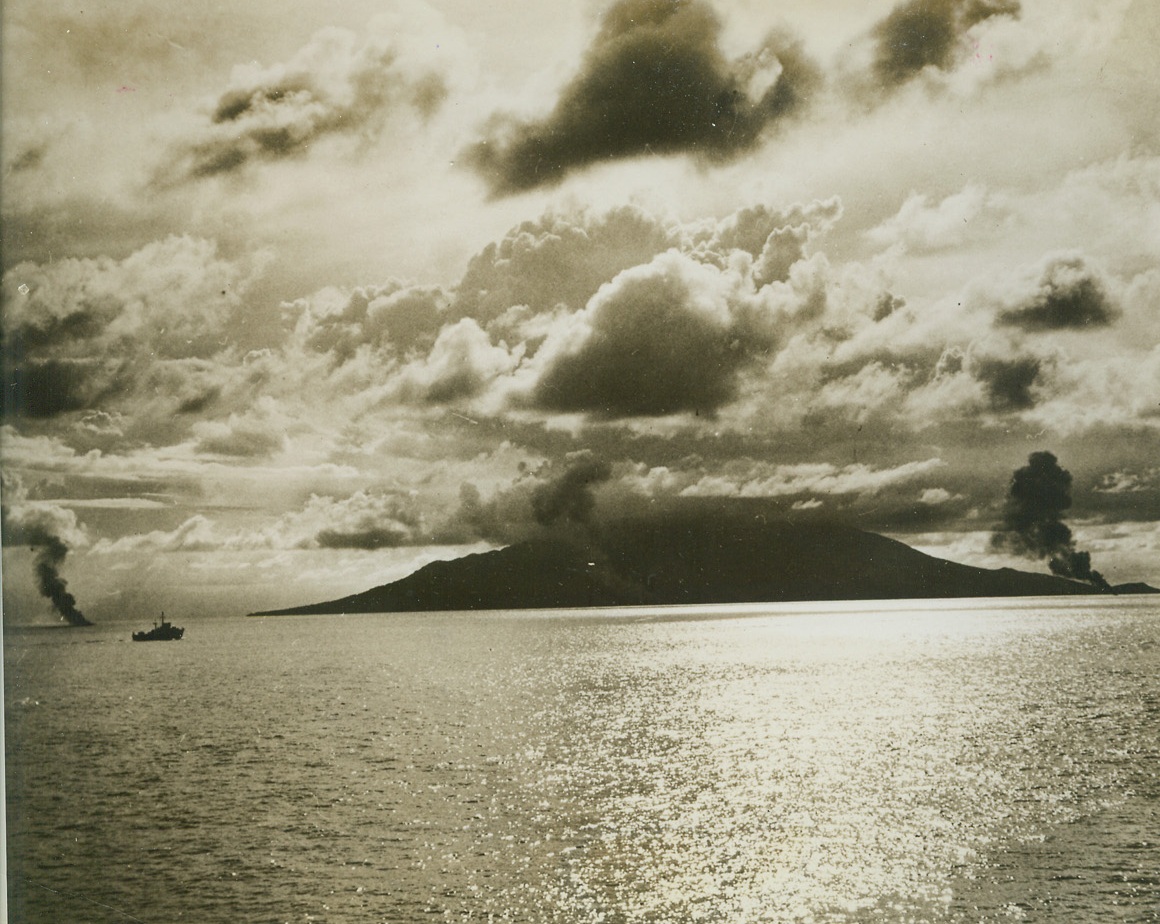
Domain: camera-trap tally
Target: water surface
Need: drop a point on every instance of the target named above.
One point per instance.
(905, 762)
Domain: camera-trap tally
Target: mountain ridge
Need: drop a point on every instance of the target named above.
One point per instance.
(692, 560)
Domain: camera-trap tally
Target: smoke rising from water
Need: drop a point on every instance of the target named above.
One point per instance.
(45, 529)
(1033, 524)
(50, 555)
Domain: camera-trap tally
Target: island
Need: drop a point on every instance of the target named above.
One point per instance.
(695, 560)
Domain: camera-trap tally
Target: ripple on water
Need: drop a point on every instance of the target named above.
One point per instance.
(970, 764)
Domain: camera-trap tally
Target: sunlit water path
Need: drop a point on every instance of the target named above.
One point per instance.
(964, 761)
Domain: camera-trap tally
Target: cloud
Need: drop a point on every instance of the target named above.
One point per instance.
(559, 259)
(921, 34)
(1068, 295)
(935, 496)
(28, 158)
(338, 85)
(958, 219)
(83, 333)
(365, 520)
(258, 432)
(27, 521)
(748, 478)
(1122, 482)
(776, 238)
(664, 338)
(392, 317)
(462, 362)
(1009, 382)
(653, 81)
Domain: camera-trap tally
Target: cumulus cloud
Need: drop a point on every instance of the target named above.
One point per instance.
(559, 494)
(365, 520)
(1069, 294)
(654, 81)
(664, 338)
(338, 84)
(921, 34)
(461, 363)
(560, 259)
(924, 226)
(80, 333)
(394, 317)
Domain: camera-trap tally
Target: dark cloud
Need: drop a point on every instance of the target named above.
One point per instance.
(30, 157)
(1037, 499)
(105, 334)
(924, 33)
(654, 81)
(1009, 381)
(333, 86)
(42, 221)
(660, 339)
(48, 388)
(886, 305)
(1069, 295)
(482, 518)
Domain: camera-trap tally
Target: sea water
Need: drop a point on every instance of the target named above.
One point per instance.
(959, 761)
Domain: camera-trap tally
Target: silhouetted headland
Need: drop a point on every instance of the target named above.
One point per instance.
(695, 561)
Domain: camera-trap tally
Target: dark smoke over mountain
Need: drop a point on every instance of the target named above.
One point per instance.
(1033, 524)
(570, 497)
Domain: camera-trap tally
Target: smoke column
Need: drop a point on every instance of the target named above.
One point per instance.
(43, 528)
(570, 495)
(1033, 524)
(50, 554)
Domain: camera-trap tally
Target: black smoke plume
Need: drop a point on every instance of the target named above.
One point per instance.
(38, 529)
(1037, 498)
(50, 555)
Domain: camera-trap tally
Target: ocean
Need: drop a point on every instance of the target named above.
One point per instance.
(947, 761)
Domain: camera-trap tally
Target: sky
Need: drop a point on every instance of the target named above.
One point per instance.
(300, 296)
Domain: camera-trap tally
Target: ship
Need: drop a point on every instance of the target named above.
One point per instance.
(163, 631)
